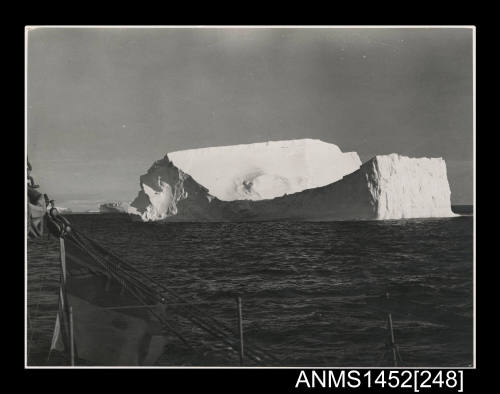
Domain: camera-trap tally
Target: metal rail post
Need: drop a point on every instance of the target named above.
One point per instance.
(240, 328)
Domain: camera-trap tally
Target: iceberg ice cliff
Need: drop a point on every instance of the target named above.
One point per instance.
(402, 187)
(291, 180)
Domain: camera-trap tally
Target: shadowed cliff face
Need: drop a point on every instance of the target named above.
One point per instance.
(168, 191)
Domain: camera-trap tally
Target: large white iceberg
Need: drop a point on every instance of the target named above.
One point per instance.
(310, 180)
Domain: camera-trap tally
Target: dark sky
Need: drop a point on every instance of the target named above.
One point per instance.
(103, 104)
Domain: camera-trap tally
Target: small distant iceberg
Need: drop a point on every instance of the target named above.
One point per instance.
(63, 210)
(114, 207)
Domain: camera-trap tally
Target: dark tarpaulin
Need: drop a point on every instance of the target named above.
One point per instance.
(116, 320)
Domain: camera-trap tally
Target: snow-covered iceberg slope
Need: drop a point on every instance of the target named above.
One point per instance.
(265, 170)
(385, 187)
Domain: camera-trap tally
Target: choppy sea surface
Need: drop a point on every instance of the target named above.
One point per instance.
(314, 293)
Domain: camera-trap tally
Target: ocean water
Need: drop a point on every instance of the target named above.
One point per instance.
(314, 294)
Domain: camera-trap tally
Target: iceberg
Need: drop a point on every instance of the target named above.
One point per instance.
(114, 207)
(64, 210)
(306, 180)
